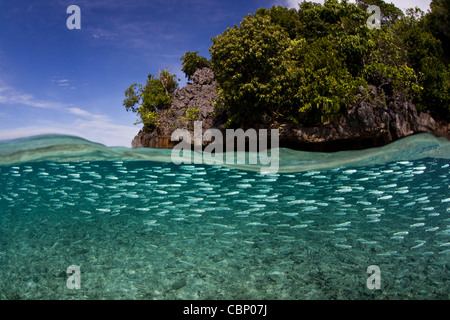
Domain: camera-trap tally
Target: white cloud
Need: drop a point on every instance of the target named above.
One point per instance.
(100, 128)
(29, 131)
(64, 83)
(291, 3)
(104, 132)
(406, 4)
(99, 33)
(82, 123)
(80, 112)
(9, 95)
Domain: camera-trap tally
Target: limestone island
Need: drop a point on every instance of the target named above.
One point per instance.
(330, 77)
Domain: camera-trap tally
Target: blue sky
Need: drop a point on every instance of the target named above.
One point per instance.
(56, 80)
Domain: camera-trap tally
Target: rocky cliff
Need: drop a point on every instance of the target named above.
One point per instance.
(192, 103)
(367, 124)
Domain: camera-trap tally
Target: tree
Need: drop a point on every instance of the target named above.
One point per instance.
(146, 100)
(282, 64)
(312, 64)
(430, 62)
(389, 12)
(168, 82)
(324, 85)
(192, 62)
(309, 65)
(438, 22)
(286, 18)
(252, 66)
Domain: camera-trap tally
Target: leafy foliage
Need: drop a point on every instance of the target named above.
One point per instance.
(309, 65)
(426, 56)
(389, 12)
(191, 116)
(252, 65)
(155, 95)
(282, 63)
(192, 62)
(438, 22)
(312, 64)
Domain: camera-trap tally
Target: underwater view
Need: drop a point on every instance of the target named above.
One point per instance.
(140, 227)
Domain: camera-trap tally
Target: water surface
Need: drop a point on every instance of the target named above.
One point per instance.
(140, 227)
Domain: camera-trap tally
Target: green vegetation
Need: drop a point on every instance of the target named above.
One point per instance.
(438, 23)
(389, 12)
(192, 62)
(191, 116)
(146, 100)
(312, 64)
(426, 55)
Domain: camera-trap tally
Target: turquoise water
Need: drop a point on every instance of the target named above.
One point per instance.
(141, 227)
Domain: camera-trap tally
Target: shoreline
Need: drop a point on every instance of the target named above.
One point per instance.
(370, 123)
